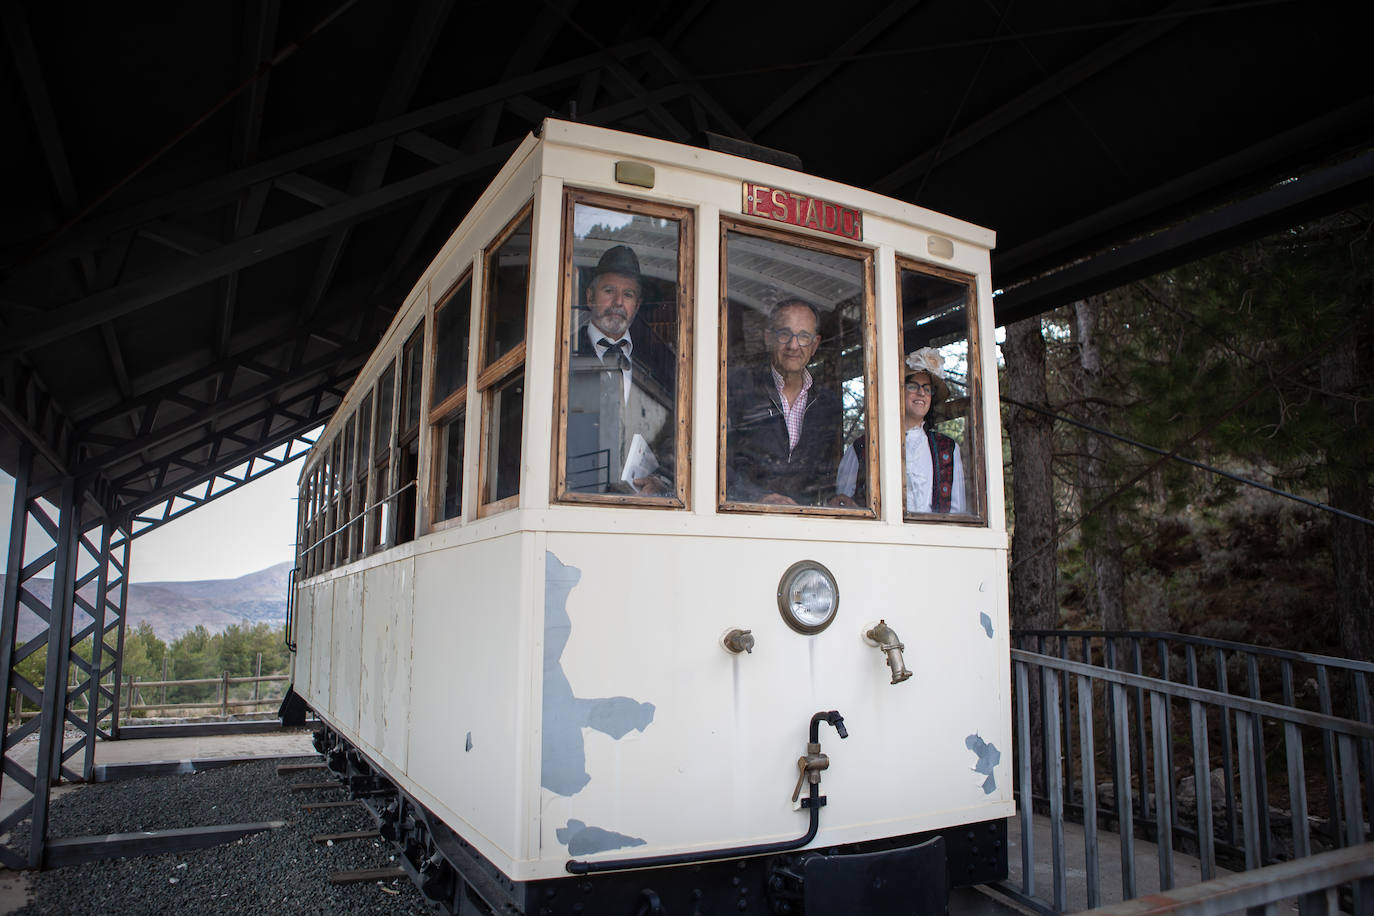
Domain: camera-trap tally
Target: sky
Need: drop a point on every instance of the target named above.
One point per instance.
(248, 529)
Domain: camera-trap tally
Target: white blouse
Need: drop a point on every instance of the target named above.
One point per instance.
(920, 474)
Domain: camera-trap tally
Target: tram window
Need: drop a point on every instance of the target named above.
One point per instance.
(317, 514)
(501, 375)
(448, 463)
(448, 402)
(381, 472)
(412, 360)
(451, 343)
(386, 391)
(624, 381)
(305, 534)
(796, 329)
(360, 488)
(332, 522)
(942, 466)
(508, 279)
(505, 417)
(350, 433)
(408, 463)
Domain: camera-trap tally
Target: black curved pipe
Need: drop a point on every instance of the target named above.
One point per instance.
(813, 801)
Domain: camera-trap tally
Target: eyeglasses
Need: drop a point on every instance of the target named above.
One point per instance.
(920, 388)
(785, 336)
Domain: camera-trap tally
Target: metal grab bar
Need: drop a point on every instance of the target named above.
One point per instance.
(366, 509)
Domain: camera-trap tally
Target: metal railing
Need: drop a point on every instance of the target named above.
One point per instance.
(1312, 880)
(1155, 737)
(1301, 680)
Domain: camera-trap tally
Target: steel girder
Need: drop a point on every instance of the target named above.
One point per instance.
(70, 578)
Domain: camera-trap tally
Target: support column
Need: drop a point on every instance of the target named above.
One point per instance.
(48, 767)
(9, 617)
(99, 598)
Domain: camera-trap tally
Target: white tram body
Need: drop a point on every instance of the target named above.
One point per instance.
(544, 671)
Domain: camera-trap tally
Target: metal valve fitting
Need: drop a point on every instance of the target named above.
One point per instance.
(890, 644)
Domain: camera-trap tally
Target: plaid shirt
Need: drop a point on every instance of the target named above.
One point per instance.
(793, 413)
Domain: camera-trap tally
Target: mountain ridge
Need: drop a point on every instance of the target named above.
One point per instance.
(175, 608)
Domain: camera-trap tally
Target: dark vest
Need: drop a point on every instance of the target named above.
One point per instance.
(941, 459)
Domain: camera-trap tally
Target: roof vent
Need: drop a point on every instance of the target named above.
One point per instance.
(723, 144)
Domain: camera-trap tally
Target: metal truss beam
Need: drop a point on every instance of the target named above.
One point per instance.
(370, 171)
(137, 294)
(207, 456)
(207, 414)
(34, 414)
(218, 191)
(916, 167)
(1195, 190)
(1282, 205)
(223, 482)
(818, 74)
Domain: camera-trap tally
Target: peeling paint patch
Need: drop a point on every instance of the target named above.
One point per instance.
(986, 621)
(582, 840)
(467, 744)
(988, 757)
(564, 758)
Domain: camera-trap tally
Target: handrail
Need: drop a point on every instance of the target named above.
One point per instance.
(365, 510)
(288, 629)
(1352, 727)
(1306, 877)
(1330, 661)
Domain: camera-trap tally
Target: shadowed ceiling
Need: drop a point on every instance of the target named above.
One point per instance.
(214, 209)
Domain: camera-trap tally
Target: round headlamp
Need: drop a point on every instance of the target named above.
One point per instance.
(808, 597)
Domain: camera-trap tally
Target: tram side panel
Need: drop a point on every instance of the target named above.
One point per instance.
(304, 637)
(385, 657)
(322, 647)
(345, 671)
(471, 678)
(657, 740)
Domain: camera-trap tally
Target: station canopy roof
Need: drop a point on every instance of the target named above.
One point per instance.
(213, 210)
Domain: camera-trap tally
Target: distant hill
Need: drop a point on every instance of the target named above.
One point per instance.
(173, 608)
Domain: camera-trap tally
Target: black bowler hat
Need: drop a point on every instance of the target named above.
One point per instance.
(618, 260)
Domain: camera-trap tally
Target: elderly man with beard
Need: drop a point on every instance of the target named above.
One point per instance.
(617, 407)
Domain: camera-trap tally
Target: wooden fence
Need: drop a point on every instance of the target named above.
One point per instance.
(144, 697)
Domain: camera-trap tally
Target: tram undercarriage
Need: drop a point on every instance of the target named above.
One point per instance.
(911, 873)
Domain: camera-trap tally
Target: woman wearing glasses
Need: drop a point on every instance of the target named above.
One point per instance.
(933, 471)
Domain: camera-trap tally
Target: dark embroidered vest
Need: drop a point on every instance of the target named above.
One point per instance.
(941, 460)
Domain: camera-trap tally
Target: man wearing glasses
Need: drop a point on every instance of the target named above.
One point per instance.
(782, 430)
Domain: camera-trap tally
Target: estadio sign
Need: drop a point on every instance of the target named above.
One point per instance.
(800, 210)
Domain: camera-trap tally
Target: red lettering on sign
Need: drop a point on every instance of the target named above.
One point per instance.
(802, 210)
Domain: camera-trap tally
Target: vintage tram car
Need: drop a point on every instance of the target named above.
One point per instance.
(623, 519)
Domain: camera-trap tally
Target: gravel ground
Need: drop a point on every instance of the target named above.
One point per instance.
(276, 871)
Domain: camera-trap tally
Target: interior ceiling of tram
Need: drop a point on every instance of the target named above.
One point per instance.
(213, 210)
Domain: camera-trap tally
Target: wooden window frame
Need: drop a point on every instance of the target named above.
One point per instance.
(362, 480)
(490, 375)
(409, 436)
(686, 334)
(868, 258)
(380, 537)
(977, 434)
(453, 406)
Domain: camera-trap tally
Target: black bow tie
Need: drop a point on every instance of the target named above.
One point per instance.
(620, 360)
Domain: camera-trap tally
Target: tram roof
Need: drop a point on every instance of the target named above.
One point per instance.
(213, 210)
